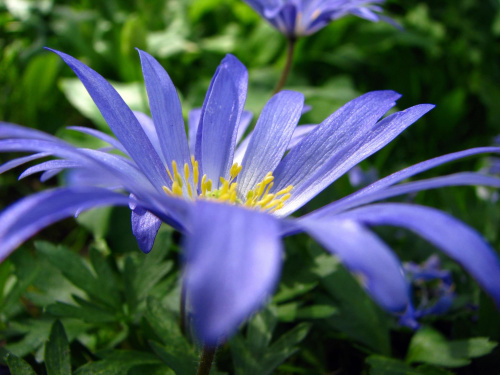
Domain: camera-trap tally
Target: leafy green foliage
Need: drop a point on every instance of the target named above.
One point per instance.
(255, 354)
(429, 346)
(57, 354)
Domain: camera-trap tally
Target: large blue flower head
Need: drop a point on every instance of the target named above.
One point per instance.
(296, 18)
(232, 197)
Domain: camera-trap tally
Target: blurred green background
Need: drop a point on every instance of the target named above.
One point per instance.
(448, 54)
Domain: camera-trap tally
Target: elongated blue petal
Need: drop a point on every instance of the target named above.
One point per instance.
(166, 110)
(222, 108)
(121, 120)
(369, 191)
(457, 240)
(233, 262)
(145, 226)
(100, 135)
(353, 153)
(148, 126)
(20, 161)
(194, 120)
(245, 120)
(315, 162)
(49, 165)
(298, 135)
(270, 138)
(29, 215)
(365, 255)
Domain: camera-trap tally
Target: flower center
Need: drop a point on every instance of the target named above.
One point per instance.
(186, 184)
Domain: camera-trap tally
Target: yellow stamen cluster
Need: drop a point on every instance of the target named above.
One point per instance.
(259, 197)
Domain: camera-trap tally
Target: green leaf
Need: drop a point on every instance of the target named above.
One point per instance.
(389, 366)
(57, 354)
(429, 346)
(292, 311)
(284, 347)
(144, 271)
(18, 366)
(87, 311)
(254, 354)
(166, 326)
(118, 362)
(76, 270)
(183, 363)
(36, 333)
(358, 317)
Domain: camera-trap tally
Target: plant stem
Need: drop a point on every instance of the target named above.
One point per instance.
(288, 64)
(207, 358)
(182, 310)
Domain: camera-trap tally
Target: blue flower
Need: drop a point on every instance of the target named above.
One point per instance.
(232, 202)
(432, 286)
(296, 18)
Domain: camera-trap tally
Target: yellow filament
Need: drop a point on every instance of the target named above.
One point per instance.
(196, 172)
(186, 172)
(169, 175)
(258, 198)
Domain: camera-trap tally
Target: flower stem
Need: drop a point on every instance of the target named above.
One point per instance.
(288, 64)
(207, 358)
(182, 309)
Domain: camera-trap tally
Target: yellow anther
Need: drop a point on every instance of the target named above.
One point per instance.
(169, 175)
(259, 197)
(268, 188)
(196, 171)
(268, 198)
(285, 197)
(167, 190)
(224, 197)
(267, 180)
(177, 190)
(204, 185)
(285, 191)
(186, 172)
(235, 170)
(233, 196)
(271, 204)
(174, 167)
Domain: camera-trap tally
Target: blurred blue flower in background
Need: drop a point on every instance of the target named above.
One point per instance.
(232, 201)
(296, 18)
(431, 286)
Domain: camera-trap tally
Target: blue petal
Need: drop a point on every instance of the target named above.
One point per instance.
(221, 113)
(457, 240)
(298, 135)
(100, 135)
(233, 261)
(20, 161)
(148, 126)
(145, 226)
(317, 161)
(121, 120)
(49, 165)
(369, 193)
(270, 138)
(29, 215)
(166, 111)
(194, 120)
(366, 255)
